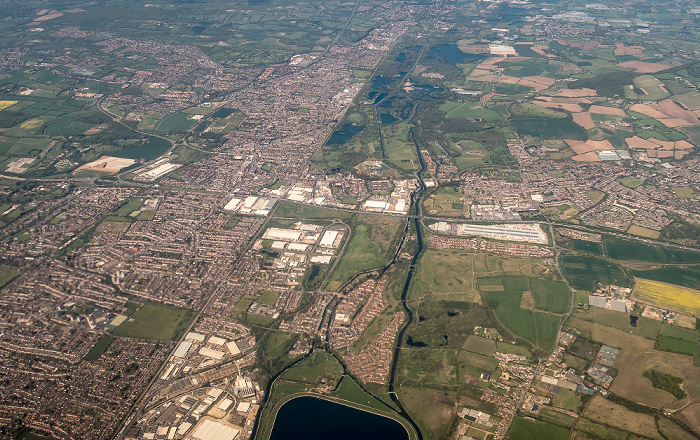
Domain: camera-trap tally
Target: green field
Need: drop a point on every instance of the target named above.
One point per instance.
(7, 273)
(548, 128)
(686, 276)
(244, 303)
(586, 246)
(445, 274)
(399, 148)
(537, 327)
(100, 347)
(628, 250)
(129, 207)
(304, 212)
(631, 182)
(177, 122)
(522, 429)
(317, 366)
(469, 110)
(646, 327)
(584, 273)
(479, 345)
(675, 345)
(156, 321)
(371, 246)
(551, 296)
(268, 297)
(232, 222)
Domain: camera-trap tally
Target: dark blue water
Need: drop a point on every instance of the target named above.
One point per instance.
(387, 118)
(380, 97)
(311, 418)
(451, 54)
(426, 88)
(152, 149)
(346, 132)
(381, 83)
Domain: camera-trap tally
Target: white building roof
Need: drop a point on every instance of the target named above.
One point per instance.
(217, 340)
(225, 404)
(232, 204)
(233, 348)
(329, 238)
(211, 430)
(297, 247)
(208, 352)
(375, 204)
(282, 234)
(182, 349)
(195, 336)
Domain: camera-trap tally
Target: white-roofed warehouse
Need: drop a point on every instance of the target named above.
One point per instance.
(211, 430)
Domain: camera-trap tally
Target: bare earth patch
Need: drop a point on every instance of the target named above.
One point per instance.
(644, 67)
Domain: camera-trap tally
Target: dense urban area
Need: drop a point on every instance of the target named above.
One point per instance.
(478, 220)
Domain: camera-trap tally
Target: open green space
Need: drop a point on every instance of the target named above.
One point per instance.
(666, 382)
(523, 429)
(176, 122)
(268, 297)
(551, 296)
(537, 327)
(586, 272)
(156, 321)
(629, 250)
(446, 275)
(479, 345)
(586, 246)
(372, 244)
(232, 222)
(100, 347)
(320, 365)
(548, 128)
(7, 274)
(244, 303)
(469, 110)
(631, 182)
(645, 327)
(129, 207)
(686, 276)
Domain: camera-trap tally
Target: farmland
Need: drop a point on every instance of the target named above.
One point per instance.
(586, 272)
(669, 296)
(627, 250)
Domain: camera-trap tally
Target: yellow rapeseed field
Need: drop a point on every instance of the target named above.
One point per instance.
(31, 124)
(677, 298)
(5, 104)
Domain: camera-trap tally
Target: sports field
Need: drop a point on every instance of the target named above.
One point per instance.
(156, 321)
(667, 295)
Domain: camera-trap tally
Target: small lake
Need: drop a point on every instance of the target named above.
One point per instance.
(381, 83)
(311, 418)
(153, 149)
(387, 119)
(344, 134)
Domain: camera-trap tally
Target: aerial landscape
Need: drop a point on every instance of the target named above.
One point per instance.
(305, 219)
